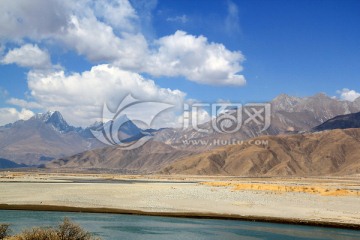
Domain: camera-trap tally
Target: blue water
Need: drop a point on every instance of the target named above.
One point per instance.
(131, 227)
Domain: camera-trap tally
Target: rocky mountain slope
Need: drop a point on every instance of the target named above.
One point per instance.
(288, 115)
(42, 137)
(325, 153)
(48, 136)
(150, 157)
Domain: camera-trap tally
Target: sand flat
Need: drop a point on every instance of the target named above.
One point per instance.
(211, 196)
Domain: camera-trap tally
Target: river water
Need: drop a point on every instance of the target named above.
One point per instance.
(132, 227)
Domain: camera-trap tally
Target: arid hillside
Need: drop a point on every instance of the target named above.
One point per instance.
(150, 157)
(335, 152)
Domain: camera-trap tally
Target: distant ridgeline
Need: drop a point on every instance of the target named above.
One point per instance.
(4, 163)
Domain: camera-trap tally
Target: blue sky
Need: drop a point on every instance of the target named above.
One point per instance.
(294, 47)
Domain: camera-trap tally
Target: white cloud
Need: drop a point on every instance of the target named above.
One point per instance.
(182, 19)
(91, 38)
(119, 14)
(80, 97)
(106, 31)
(85, 26)
(144, 9)
(41, 19)
(113, 32)
(179, 54)
(133, 53)
(195, 58)
(348, 95)
(9, 115)
(232, 19)
(35, 19)
(22, 103)
(28, 55)
(202, 116)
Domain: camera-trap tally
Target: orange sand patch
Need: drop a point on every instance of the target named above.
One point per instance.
(283, 188)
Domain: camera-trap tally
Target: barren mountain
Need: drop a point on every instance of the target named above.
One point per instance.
(288, 115)
(150, 157)
(48, 136)
(326, 153)
(42, 137)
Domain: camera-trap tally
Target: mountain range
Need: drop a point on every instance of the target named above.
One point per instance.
(289, 115)
(330, 152)
(48, 136)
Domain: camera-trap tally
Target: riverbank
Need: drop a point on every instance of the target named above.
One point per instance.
(254, 199)
(194, 215)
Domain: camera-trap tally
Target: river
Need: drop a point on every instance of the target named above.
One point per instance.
(133, 227)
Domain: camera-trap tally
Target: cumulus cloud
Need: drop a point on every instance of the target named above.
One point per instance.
(28, 55)
(180, 54)
(35, 19)
(118, 14)
(110, 31)
(348, 95)
(80, 97)
(115, 32)
(9, 115)
(197, 59)
(98, 41)
(91, 38)
(85, 26)
(40, 19)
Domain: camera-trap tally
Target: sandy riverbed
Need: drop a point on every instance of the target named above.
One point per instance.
(324, 200)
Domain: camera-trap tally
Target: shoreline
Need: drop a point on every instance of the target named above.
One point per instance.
(195, 215)
(331, 203)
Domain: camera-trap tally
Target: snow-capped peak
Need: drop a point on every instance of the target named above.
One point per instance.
(55, 119)
(43, 116)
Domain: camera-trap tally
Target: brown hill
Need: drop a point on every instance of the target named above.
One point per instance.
(150, 157)
(335, 152)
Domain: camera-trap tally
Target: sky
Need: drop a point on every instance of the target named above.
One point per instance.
(76, 56)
